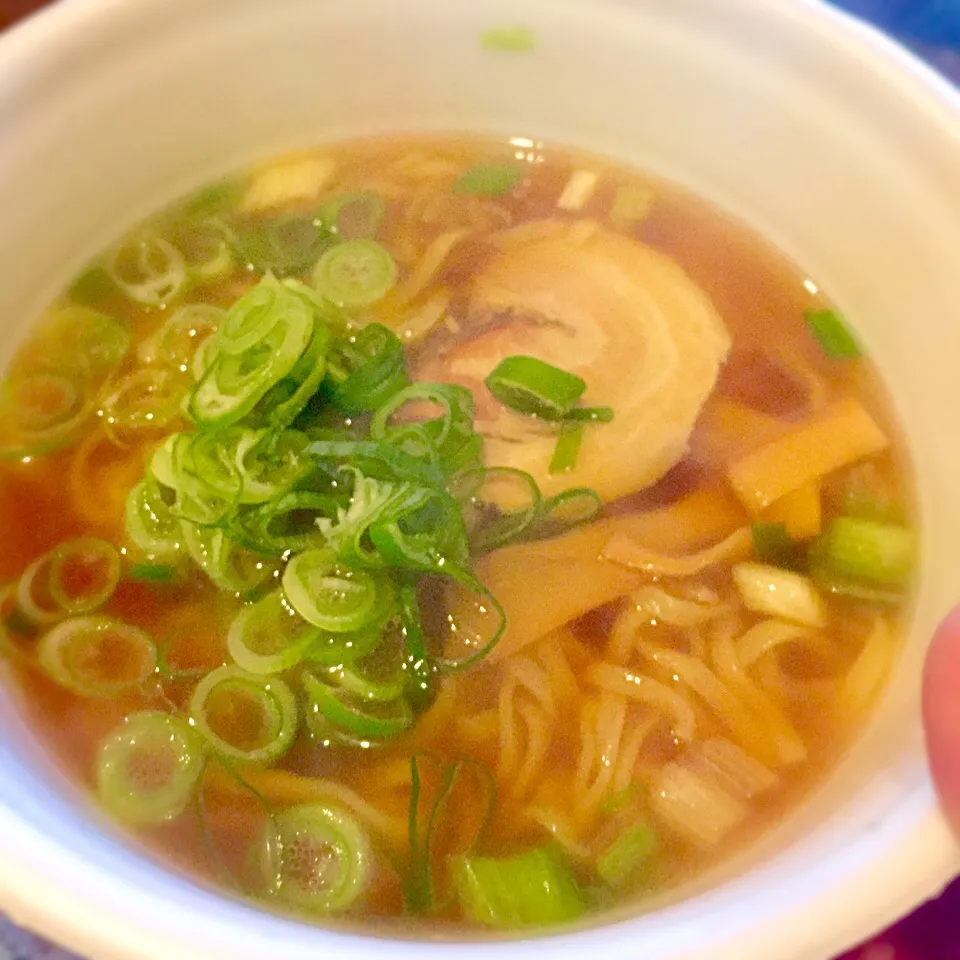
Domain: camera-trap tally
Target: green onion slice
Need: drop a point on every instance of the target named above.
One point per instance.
(285, 525)
(335, 715)
(284, 245)
(205, 245)
(83, 574)
(490, 179)
(229, 565)
(565, 511)
(347, 647)
(152, 572)
(491, 528)
(233, 384)
(355, 274)
(355, 216)
(532, 386)
(469, 639)
(148, 768)
(624, 859)
(772, 544)
(33, 593)
(865, 551)
(243, 716)
(98, 657)
(40, 412)
(533, 889)
(181, 334)
(149, 270)
(269, 464)
(833, 335)
(508, 39)
(86, 342)
(567, 450)
(316, 858)
(269, 636)
(426, 820)
(330, 595)
(251, 319)
(367, 369)
(148, 398)
(447, 442)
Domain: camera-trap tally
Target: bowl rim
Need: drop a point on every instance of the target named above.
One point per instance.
(49, 888)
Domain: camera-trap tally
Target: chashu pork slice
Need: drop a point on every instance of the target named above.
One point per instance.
(624, 317)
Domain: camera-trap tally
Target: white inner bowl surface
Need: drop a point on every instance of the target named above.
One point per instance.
(834, 144)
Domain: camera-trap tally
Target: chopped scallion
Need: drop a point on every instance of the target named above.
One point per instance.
(490, 179)
(152, 572)
(97, 657)
(532, 386)
(316, 858)
(866, 551)
(244, 717)
(533, 889)
(148, 768)
(513, 39)
(567, 449)
(772, 544)
(835, 339)
(627, 856)
(328, 594)
(355, 274)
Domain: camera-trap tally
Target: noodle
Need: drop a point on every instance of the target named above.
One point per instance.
(790, 747)
(634, 686)
(725, 705)
(865, 677)
(625, 550)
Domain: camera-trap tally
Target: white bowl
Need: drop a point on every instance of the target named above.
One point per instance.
(838, 146)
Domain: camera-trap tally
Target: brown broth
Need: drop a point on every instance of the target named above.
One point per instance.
(761, 297)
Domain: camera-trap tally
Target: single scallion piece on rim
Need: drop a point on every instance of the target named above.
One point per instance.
(835, 339)
(489, 179)
(532, 386)
(512, 39)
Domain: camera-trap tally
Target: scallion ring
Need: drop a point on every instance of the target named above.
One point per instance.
(149, 270)
(244, 717)
(147, 769)
(355, 274)
(316, 858)
(269, 636)
(337, 715)
(329, 595)
(97, 657)
(83, 574)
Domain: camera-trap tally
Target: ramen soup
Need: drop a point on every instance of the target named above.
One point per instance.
(443, 535)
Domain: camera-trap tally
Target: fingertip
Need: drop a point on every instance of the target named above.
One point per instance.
(941, 713)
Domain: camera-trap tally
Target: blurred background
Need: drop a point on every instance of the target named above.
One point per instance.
(931, 28)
